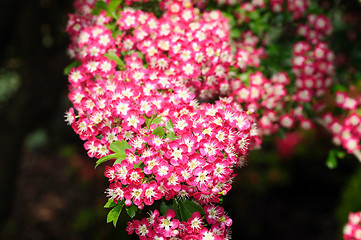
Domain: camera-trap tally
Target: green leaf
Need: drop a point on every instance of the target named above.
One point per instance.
(176, 208)
(340, 154)
(119, 152)
(163, 208)
(187, 208)
(114, 57)
(119, 146)
(308, 110)
(331, 161)
(70, 66)
(339, 87)
(147, 120)
(114, 4)
(106, 158)
(152, 120)
(110, 204)
(159, 131)
(171, 136)
(102, 5)
(235, 33)
(231, 19)
(113, 215)
(116, 33)
(193, 206)
(112, 26)
(132, 210)
(157, 120)
(169, 125)
(96, 11)
(281, 133)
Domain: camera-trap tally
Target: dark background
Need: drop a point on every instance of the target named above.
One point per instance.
(50, 189)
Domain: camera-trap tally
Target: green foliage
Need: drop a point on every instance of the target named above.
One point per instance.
(113, 215)
(152, 120)
(183, 208)
(169, 127)
(338, 87)
(118, 148)
(259, 23)
(131, 210)
(350, 200)
(112, 56)
(110, 9)
(308, 109)
(159, 131)
(331, 161)
(187, 208)
(110, 204)
(70, 66)
(164, 208)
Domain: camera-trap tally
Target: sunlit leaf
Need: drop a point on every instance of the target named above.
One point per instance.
(118, 148)
(113, 215)
(110, 204)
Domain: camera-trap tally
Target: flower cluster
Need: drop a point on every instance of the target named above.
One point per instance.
(168, 227)
(313, 67)
(183, 44)
(269, 96)
(346, 102)
(137, 81)
(346, 132)
(199, 163)
(316, 28)
(138, 85)
(352, 230)
(248, 55)
(297, 7)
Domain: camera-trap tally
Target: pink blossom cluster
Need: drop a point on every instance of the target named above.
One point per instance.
(344, 101)
(276, 5)
(135, 68)
(316, 28)
(269, 96)
(248, 54)
(352, 230)
(154, 69)
(297, 7)
(346, 132)
(314, 69)
(214, 225)
(193, 48)
(199, 164)
(112, 105)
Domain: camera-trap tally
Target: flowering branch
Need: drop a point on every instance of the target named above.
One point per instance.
(322, 123)
(135, 87)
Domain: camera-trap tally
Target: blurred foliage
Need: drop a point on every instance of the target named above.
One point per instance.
(351, 197)
(9, 84)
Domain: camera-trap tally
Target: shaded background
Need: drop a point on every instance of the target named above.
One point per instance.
(50, 190)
